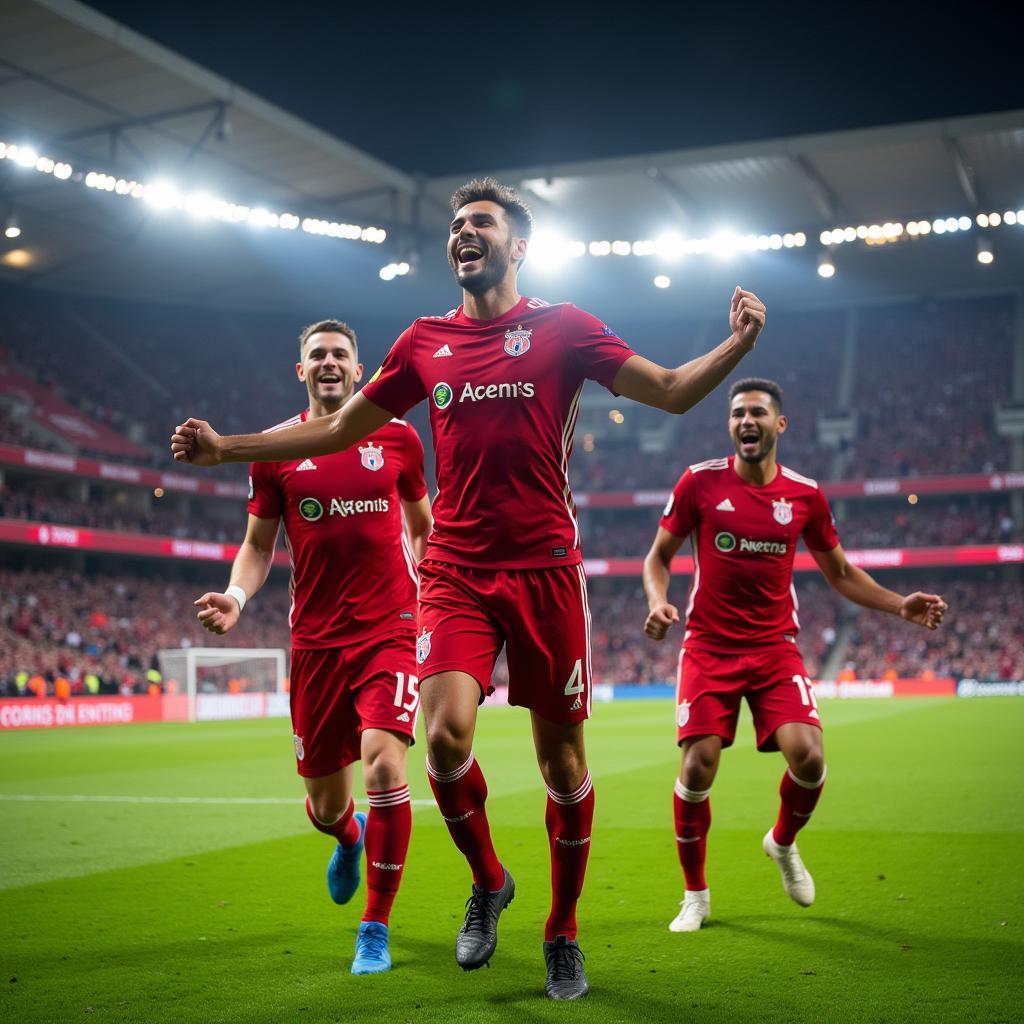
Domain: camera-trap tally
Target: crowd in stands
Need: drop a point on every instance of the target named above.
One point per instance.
(64, 625)
(980, 639)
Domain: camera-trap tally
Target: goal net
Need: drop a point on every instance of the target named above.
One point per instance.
(222, 682)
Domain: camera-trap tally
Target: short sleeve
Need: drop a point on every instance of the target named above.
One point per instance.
(598, 349)
(265, 491)
(396, 386)
(820, 531)
(680, 515)
(411, 483)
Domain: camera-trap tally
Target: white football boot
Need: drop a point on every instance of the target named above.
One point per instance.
(796, 879)
(693, 911)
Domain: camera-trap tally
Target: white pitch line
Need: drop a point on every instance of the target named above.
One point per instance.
(90, 799)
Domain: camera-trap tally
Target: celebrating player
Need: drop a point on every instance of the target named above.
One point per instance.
(353, 667)
(744, 515)
(503, 375)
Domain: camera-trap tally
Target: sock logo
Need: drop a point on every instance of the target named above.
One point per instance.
(387, 867)
(573, 842)
(461, 817)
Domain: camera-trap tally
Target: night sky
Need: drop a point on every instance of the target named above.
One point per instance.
(444, 89)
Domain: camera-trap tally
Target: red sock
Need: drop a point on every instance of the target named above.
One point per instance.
(461, 796)
(569, 819)
(799, 799)
(693, 820)
(345, 829)
(387, 841)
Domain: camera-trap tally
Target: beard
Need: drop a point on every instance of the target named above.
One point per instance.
(493, 273)
(767, 447)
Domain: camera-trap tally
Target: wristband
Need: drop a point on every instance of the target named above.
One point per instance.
(238, 594)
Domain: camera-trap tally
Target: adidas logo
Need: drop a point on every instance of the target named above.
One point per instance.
(577, 705)
(725, 506)
(404, 717)
(443, 351)
(305, 464)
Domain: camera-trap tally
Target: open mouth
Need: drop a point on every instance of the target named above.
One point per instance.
(330, 379)
(466, 255)
(750, 437)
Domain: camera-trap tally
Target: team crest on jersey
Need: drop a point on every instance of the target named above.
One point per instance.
(782, 512)
(422, 648)
(300, 750)
(372, 456)
(517, 342)
(682, 713)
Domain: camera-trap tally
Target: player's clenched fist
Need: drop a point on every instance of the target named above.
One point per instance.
(923, 609)
(660, 620)
(197, 442)
(746, 317)
(217, 612)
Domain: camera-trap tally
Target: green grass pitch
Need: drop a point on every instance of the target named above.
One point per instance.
(215, 910)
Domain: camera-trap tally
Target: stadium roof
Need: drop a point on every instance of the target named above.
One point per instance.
(86, 90)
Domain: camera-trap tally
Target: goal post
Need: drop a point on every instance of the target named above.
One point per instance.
(224, 682)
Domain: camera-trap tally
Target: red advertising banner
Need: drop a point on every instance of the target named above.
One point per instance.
(64, 420)
(49, 713)
(18, 531)
(57, 462)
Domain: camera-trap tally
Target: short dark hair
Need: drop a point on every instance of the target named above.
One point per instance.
(331, 327)
(769, 387)
(492, 191)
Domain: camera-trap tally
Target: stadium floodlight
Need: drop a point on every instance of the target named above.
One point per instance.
(964, 223)
(1010, 217)
(826, 268)
(662, 281)
(12, 229)
(985, 253)
(600, 248)
(670, 245)
(550, 250)
(994, 220)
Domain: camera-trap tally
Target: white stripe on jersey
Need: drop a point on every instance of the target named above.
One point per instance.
(410, 562)
(286, 423)
(567, 431)
(796, 605)
(695, 586)
(790, 475)
(709, 464)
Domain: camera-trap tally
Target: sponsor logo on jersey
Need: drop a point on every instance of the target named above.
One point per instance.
(763, 547)
(517, 342)
(349, 507)
(481, 392)
(310, 509)
(304, 465)
(422, 647)
(782, 512)
(372, 456)
(443, 395)
(443, 351)
(725, 541)
(300, 750)
(725, 506)
(682, 713)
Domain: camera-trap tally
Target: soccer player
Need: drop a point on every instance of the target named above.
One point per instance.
(503, 375)
(353, 665)
(744, 515)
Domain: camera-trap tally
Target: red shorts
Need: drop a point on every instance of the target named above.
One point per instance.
(710, 686)
(540, 615)
(337, 692)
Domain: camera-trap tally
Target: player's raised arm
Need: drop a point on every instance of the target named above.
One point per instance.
(657, 573)
(197, 442)
(857, 586)
(681, 389)
(218, 613)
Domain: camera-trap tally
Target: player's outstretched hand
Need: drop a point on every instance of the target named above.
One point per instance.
(197, 442)
(217, 612)
(746, 317)
(923, 609)
(660, 620)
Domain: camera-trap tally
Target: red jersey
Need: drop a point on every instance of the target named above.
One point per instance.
(744, 541)
(353, 574)
(504, 395)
